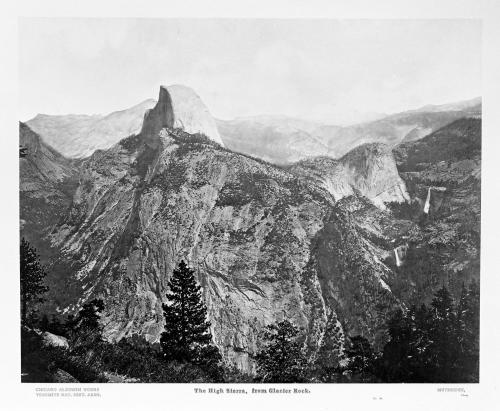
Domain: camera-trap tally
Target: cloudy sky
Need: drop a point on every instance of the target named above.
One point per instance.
(337, 71)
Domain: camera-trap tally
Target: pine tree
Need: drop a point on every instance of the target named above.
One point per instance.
(444, 347)
(442, 305)
(439, 344)
(468, 333)
(282, 359)
(85, 329)
(187, 336)
(89, 315)
(395, 366)
(32, 277)
(361, 358)
(405, 356)
(421, 343)
(327, 362)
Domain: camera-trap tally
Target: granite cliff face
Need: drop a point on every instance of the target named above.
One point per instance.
(369, 170)
(78, 136)
(265, 244)
(179, 107)
(46, 187)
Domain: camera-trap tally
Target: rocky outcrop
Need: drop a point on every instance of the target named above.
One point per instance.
(39, 161)
(369, 170)
(386, 235)
(63, 377)
(52, 340)
(179, 107)
(115, 378)
(264, 244)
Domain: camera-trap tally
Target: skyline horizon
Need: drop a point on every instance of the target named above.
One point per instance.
(377, 116)
(339, 71)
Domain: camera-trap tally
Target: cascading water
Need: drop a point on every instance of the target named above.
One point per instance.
(427, 201)
(398, 261)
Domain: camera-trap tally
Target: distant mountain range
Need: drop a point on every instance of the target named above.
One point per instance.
(79, 135)
(278, 139)
(284, 140)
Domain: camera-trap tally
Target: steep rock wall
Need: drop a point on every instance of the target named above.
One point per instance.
(264, 244)
(369, 170)
(180, 107)
(47, 183)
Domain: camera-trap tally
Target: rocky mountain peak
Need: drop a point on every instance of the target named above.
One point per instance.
(180, 107)
(369, 170)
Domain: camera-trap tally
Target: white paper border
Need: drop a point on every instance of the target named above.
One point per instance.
(482, 396)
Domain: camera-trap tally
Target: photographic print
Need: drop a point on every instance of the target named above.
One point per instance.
(249, 200)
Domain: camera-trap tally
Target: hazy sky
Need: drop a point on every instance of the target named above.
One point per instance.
(332, 70)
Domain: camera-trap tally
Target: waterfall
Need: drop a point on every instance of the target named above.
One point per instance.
(398, 261)
(427, 202)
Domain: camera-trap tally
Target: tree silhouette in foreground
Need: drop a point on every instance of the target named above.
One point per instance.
(85, 329)
(89, 315)
(187, 336)
(32, 277)
(361, 358)
(468, 328)
(282, 359)
(437, 344)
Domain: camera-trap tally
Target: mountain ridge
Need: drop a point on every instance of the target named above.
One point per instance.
(369, 170)
(307, 242)
(259, 238)
(78, 136)
(275, 138)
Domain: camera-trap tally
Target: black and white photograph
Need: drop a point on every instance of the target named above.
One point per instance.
(250, 205)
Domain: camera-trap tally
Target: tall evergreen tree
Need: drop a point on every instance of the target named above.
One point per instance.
(439, 344)
(421, 343)
(187, 336)
(32, 278)
(468, 333)
(405, 356)
(282, 359)
(85, 329)
(444, 345)
(361, 358)
(327, 362)
(395, 356)
(89, 315)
